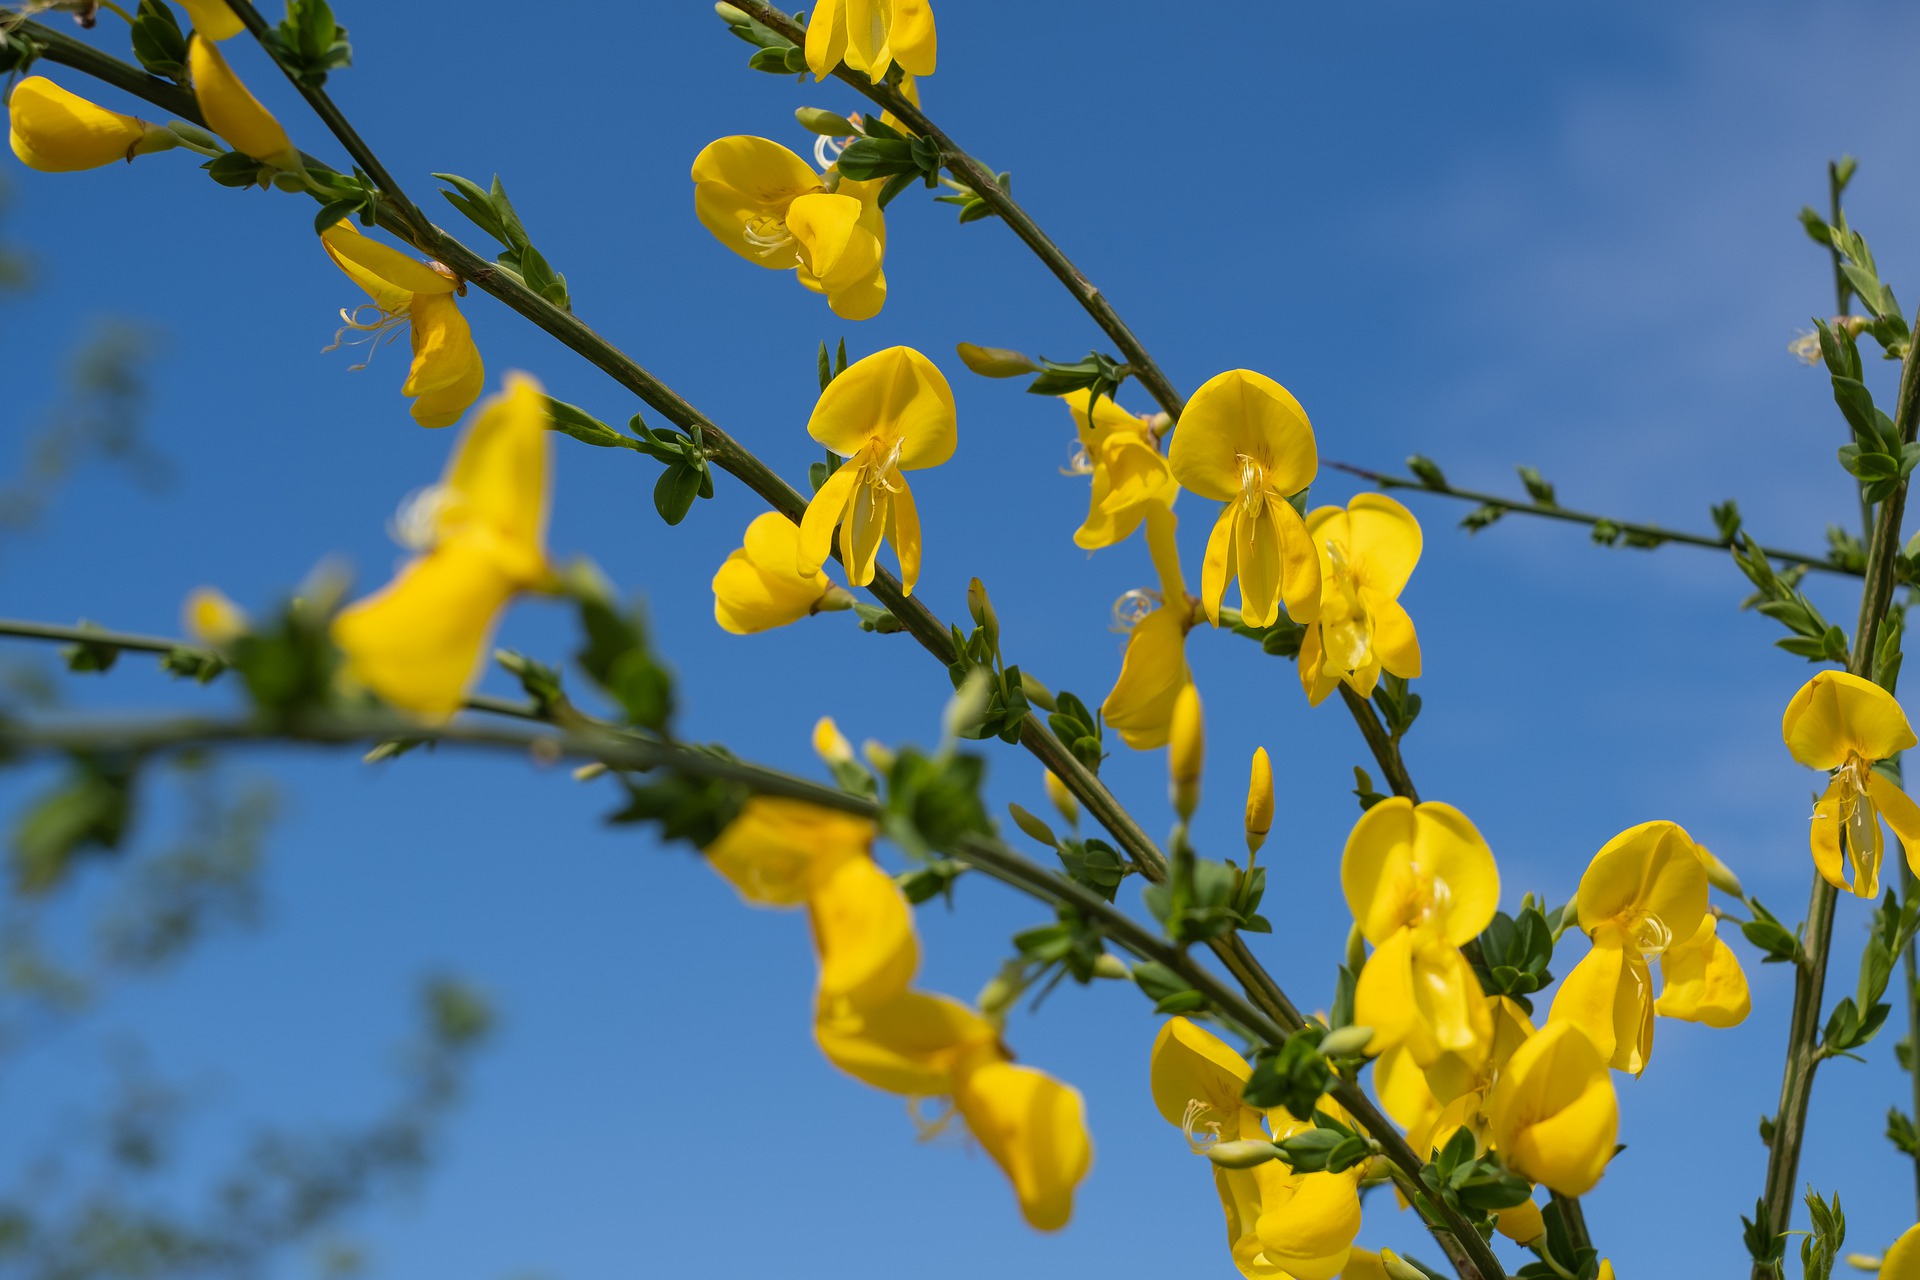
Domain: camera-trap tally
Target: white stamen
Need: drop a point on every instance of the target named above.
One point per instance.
(1190, 1122)
(1078, 463)
(416, 525)
(767, 236)
(1133, 607)
(373, 334)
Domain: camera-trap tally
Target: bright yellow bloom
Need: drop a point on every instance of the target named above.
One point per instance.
(232, 112)
(1130, 476)
(1245, 441)
(758, 588)
(1554, 1112)
(768, 205)
(1259, 802)
(214, 19)
(419, 642)
(1432, 1103)
(1279, 1223)
(1421, 882)
(870, 36)
(776, 851)
(928, 1046)
(211, 618)
(889, 413)
(1902, 1261)
(1644, 896)
(59, 132)
(1186, 751)
(1154, 670)
(1367, 553)
(447, 374)
(1842, 723)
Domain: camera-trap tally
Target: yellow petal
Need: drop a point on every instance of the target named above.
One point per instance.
(214, 19)
(1902, 1261)
(1404, 862)
(1522, 1224)
(1836, 714)
(911, 38)
(863, 930)
(1395, 643)
(1152, 673)
(1555, 1116)
(497, 480)
(908, 1045)
(1701, 981)
(444, 406)
(1314, 677)
(1311, 1231)
(419, 642)
(399, 271)
(1035, 1129)
(903, 531)
(822, 516)
(833, 245)
(213, 619)
(59, 132)
(758, 587)
(1220, 566)
(1242, 413)
(1164, 549)
(1609, 997)
(1299, 565)
(1823, 834)
(1256, 550)
(1190, 1064)
(895, 394)
(1365, 1265)
(1900, 813)
(742, 189)
(232, 112)
(1383, 543)
(861, 533)
(445, 360)
(826, 37)
(1650, 880)
(776, 850)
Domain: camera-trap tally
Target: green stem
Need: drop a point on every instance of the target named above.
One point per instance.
(1386, 750)
(1910, 963)
(1387, 481)
(1803, 1031)
(1842, 299)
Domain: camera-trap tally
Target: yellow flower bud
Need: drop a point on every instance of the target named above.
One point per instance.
(1719, 874)
(995, 362)
(1259, 801)
(1062, 798)
(1186, 751)
(1521, 1224)
(213, 619)
(830, 744)
(1394, 1267)
(214, 19)
(1345, 1042)
(234, 113)
(829, 123)
(59, 132)
(1243, 1153)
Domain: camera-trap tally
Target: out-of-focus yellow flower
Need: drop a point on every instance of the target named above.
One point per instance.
(1186, 753)
(768, 205)
(863, 931)
(211, 618)
(1643, 897)
(830, 744)
(1063, 799)
(1245, 441)
(234, 113)
(870, 36)
(1842, 723)
(419, 642)
(1259, 802)
(1902, 1261)
(1421, 882)
(928, 1046)
(1279, 1223)
(1367, 553)
(1554, 1112)
(758, 587)
(889, 413)
(777, 850)
(447, 374)
(1130, 476)
(1154, 669)
(59, 132)
(214, 19)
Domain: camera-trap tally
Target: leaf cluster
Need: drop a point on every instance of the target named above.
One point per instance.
(308, 43)
(489, 209)
(1513, 953)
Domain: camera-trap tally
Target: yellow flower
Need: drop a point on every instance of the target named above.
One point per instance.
(1432, 1103)
(420, 641)
(768, 205)
(928, 1046)
(870, 36)
(830, 744)
(1555, 1116)
(1902, 1261)
(213, 19)
(1130, 477)
(447, 374)
(59, 132)
(1154, 669)
(863, 932)
(1367, 552)
(758, 588)
(1522, 1224)
(232, 112)
(1421, 882)
(1245, 441)
(1842, 723)
(1259, 802)
(1279, 1223)
(889, 413)
(1644, 896)
(776, 850)
(211, 618)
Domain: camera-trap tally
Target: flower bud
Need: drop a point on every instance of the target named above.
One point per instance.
(1719, 874)
(1186, 751)
(1521, 1224)
(995, 362)
(968, 705)
(830, 744)
(878, 755)
(1356, 950)
(1033, 826)
(213, 619)
(1399, 1270)
(1108, 965)
(1259, 801)
(234, 113)
(827, 123)
(981, 607)
(1345, 1042)
(1063, 800)
(1244, 1154)
(1042, 697)
(588, 772)
(59, 132)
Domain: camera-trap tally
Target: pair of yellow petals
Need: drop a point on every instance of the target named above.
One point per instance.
(871, 1023)
(872, 36)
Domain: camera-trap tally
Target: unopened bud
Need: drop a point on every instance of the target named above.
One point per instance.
(981, 607)
(995, 362)
(968, 705)
(1108, 965)
(588, 772)
(213, 619)
(193, 135)
(878, 754)
(1390, 1262)
(727, 13)
(830, 124)
(1245, 1154)
(1863, 1261)
(1063, 801)
(835, 599)
(1259, 801)
(1356, 951)
(1186, 751)
(1346, 1042)
(1028, 823)
(1042, 697)
(1719, 874)
(1002, 989)
(830, 744)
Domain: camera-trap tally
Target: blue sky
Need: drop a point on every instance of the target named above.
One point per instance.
(1494, 234)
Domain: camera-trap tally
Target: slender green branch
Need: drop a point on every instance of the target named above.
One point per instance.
(1803, 1032)
(986, 184)
(1630, 529)
(1386, 751)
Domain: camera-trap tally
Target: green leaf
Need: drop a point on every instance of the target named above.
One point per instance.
(674, 492)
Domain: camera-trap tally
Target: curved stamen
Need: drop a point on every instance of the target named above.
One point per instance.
(766, 235)
(1253, 483)
(1191, 1123)
(417, 523)
(1133, 607)
(1078, 462)
(372, 334)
